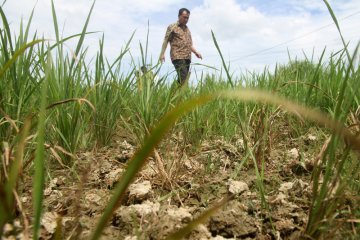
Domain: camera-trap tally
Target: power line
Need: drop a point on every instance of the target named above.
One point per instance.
(331, 42)
(308, 46)
(292, 40)
(270, 54)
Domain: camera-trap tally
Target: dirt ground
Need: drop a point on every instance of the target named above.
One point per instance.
(199, 177)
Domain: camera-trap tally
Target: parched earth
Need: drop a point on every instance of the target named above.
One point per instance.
(197, 178)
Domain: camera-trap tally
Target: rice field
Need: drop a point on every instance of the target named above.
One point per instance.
(86, 153)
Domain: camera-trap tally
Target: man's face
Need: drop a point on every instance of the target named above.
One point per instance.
(184, 18)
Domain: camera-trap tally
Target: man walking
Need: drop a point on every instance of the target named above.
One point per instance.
(181, 46)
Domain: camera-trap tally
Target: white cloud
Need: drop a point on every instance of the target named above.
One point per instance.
(116, 19)
(241, 29)
(153, 6)
(338, 6)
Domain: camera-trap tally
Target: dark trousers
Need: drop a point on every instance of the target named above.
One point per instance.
(182, 67)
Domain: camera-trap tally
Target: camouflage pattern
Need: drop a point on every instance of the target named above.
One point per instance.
(179, 37)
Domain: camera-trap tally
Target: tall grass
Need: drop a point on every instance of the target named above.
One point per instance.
(108, 92)
(88, 104)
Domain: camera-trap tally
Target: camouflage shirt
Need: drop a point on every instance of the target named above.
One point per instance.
(179, 37)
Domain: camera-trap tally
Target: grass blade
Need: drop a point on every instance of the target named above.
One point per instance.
(7, 28)
(82, 37)
(17, 54)
(222, 59)
(17, 163)
(7, 192)
(181, 233)
(141, 155)
(39, 177)
(56, 26)
(339, 30)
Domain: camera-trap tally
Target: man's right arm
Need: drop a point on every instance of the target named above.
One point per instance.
(165, 43)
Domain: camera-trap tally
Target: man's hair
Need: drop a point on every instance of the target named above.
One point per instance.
(144, 69)
(181, 10)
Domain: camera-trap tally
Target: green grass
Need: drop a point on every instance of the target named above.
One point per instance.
(64, 102)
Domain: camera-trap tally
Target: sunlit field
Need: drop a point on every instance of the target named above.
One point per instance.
(93, 150)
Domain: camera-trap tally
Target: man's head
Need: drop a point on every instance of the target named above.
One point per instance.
(143, 69)
(184, 15)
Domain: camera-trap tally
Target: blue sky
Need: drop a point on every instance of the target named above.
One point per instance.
(244, 28)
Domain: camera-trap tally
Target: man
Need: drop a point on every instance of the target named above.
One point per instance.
(181, 46)
(144, 77)
(140, 77)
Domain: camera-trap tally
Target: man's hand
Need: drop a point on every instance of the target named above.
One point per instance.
(198, 55)
(162, 58)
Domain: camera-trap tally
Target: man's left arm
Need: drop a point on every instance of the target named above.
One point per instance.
(197, 54)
